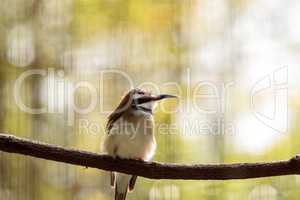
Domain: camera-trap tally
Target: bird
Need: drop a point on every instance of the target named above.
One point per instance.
(130, 134)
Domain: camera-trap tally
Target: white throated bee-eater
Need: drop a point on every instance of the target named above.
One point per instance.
(130, 134)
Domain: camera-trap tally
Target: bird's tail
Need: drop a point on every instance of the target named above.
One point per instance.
(122, 182)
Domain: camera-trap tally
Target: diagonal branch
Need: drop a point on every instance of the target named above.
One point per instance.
(153, 170)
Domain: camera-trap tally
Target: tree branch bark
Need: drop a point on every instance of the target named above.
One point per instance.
(152, 170)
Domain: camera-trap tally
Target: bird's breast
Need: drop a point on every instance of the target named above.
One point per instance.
(135, 139)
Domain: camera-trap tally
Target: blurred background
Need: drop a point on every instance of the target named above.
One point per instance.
(232, 62)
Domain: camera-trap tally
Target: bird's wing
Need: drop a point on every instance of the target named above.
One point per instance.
(123, 106)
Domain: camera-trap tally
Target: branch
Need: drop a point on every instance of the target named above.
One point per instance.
(153, 170)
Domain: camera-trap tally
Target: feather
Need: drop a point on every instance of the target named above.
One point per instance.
(112, 179)
(120, 196)
(122, 181)
(132, 183)
(123, 106)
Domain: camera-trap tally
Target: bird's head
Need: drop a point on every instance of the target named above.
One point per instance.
(137, 102)
(143, 102)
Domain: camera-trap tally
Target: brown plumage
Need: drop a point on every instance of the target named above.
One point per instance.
(136, 110)
(124, 105)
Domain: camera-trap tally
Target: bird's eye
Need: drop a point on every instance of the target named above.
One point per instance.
(141, 92)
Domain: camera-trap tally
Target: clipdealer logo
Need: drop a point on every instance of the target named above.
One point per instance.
(275, 84)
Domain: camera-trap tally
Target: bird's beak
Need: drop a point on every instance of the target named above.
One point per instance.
(163, 96)
(146, 99)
